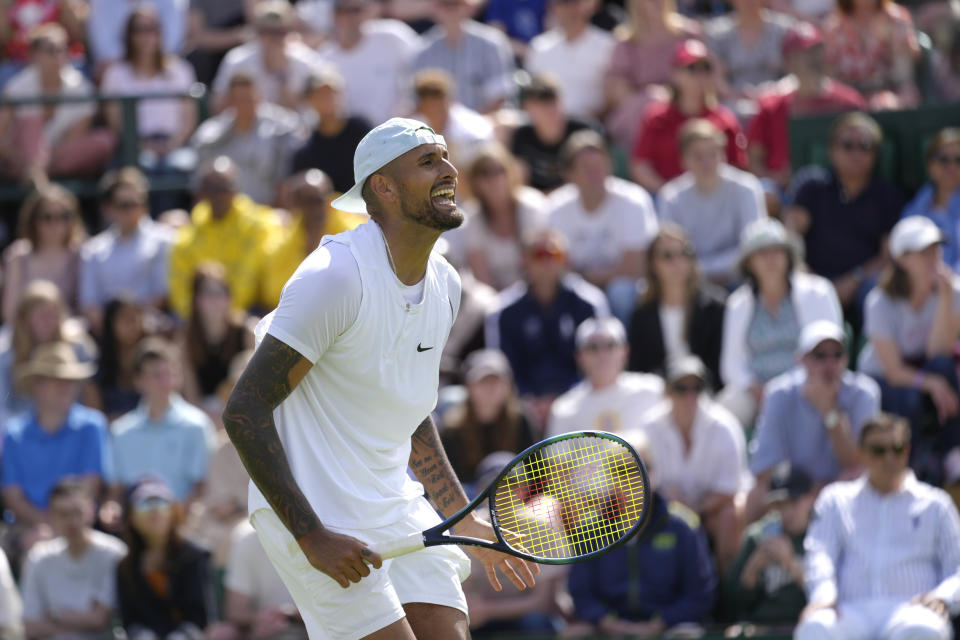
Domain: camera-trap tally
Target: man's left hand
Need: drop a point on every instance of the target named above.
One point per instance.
(518, 571)
(933, 603)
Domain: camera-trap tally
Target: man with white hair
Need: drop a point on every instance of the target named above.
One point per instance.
(609, 398)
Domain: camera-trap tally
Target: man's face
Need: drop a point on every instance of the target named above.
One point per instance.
(452, 11)
(126, 207)
(807, 62)
(348, 17)
(795, 514)
(702, 158)
(311, 201)
(272, 36)
(854, 153)
(243, 97)
(219, 190)
(885, 455)
(325, 101)
(570, 13)
(158, 380)
(426, 184)
(545, 263)
(542, 109)
(54, 394)
(602, 357)
(49, 55)
(589, 169)
(71, 515)
(826, 363)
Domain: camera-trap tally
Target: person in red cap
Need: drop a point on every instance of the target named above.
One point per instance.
(656, 153)
(808, 90)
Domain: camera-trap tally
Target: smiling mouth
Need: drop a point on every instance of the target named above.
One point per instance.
(444, 196)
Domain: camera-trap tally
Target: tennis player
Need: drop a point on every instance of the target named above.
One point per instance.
(330, 411)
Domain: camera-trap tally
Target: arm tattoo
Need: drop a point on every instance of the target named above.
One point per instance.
(248, 418)
(429, 463)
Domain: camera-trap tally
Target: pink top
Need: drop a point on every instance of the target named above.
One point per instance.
(650, 61)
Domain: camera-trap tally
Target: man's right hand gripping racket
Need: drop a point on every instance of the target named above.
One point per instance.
(568, 498)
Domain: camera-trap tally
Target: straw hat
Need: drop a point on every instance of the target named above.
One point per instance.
(54, 360)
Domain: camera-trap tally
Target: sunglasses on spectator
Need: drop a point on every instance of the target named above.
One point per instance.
(600, 345)
(54, 216)
(148, 505)
(880, 450)
(146, 28)
(944, 159)
(669, 256)
(50, 49)
(856, 145)
(700, 67)
(688, 387)
(831, 354)
(546, 253)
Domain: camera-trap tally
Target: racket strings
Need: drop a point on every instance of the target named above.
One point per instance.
(571, 498)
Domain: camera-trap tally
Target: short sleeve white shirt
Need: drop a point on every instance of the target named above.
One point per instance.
(624, 221)
(617, 408)
(578, 65)
(249, 58)
(26, 84)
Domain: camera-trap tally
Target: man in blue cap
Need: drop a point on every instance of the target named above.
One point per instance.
(331, 409)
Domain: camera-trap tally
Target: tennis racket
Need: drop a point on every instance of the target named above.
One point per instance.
(567, 498)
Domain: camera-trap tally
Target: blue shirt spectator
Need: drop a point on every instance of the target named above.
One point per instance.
(666, 573)
(521, 19)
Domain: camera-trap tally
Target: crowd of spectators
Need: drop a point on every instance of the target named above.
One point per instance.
(780, 343)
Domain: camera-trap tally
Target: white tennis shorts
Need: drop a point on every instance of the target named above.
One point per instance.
(330, 612)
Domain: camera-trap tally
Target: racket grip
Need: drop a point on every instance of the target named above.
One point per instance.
(399, 546)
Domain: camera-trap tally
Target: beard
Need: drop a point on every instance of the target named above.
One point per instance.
(423, 212)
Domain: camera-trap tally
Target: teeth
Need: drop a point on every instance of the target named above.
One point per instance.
(446, 192)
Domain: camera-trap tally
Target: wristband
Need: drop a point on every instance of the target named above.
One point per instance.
(918, 380)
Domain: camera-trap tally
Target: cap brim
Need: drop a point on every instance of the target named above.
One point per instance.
(352, 201)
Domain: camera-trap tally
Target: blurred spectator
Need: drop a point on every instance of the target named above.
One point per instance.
(747, 44)
(946, 67)
(163, 126)
(258, 136)
(883, 551)
(845, 214)
(491, 418)
(478, 57)
(257, 605)
(641, 64)
(69, 583)
(20, 17)
(335, 135)
(40, 318)
(872, 46)
(607, 221)
(164, 582)
(477, 301)
(535, 321)
(712, 201)
(57, 139)
(807, 91)
(912, 319)
(661, 579)
(213, 28)
(538, 143)
(765, 315)
(55, 439)
(123, 329)
(11, 605)
(227, 227)
(521, 20)
(680, 313)
(939, 199)
(576, 53)
(693, 94)
(215, 333)
(764, 585)
(165, 422)
(700, 453)
(130, 257)
(105, 27)
(462, 127)
(812, 415)
(277, 63)
(375, 58)
(609, 398)
(50, 233)
(312, 217)
(501, 212)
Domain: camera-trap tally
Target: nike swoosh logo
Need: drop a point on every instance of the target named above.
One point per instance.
(421, 349)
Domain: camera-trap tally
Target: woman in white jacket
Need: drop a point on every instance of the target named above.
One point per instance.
(765, 315)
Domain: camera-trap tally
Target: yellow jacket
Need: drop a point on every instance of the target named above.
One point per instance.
(239, 241)
(286, 254)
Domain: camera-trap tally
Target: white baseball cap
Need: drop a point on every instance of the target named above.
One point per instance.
(914, 233)
(608, 326)
(816, 332)
(382, 145)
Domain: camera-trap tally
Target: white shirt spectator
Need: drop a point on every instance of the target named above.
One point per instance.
(465, 128)
(377, 70)
(154, 117)
(26, 84)
(250, 572)
(714, 220)
(302, 60)
(617, 408)
(578, 65)
(624, 221)
(55, 581)
(716, 461)
(316, 15)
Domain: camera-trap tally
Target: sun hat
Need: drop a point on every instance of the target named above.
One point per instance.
(382, 145)
(914, 233)
(55, 360)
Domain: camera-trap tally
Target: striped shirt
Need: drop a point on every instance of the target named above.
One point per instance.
(481, 63)
(864, 545)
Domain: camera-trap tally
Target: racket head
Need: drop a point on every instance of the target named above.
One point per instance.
(569, 498)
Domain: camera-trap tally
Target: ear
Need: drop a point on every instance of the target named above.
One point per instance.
(383, 187)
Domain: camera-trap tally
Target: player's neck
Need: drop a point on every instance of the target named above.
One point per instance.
(409, 245)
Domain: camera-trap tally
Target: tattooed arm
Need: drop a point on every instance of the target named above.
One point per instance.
(274, 371)
(429, 463)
